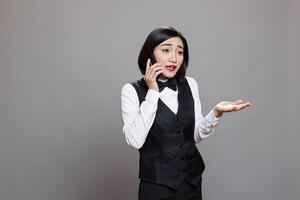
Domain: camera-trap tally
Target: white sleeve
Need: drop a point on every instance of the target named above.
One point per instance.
(137, 119)
(204, 126)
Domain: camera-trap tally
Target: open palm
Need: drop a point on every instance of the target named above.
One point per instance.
(231, 106)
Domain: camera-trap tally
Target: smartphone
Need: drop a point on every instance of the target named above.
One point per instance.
(152, 59)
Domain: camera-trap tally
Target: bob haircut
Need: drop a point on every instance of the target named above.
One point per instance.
(156, 37)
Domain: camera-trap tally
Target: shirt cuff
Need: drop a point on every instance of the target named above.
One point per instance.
(212, 119)
(152, 95)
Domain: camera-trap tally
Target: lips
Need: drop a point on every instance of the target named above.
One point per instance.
(171, 68)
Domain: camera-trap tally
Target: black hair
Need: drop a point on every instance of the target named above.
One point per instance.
(156, 37)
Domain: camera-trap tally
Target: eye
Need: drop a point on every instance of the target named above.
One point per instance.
(165, 50)
(180, 53)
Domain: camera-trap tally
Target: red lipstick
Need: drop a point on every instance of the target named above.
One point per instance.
(171, 68)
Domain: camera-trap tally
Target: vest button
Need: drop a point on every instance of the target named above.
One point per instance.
(178, 132)
(183, 170)
(182, 158)
(179, 145)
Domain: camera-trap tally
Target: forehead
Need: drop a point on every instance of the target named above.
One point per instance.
(174, 41)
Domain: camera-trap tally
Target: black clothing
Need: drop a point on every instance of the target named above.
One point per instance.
(169, 155)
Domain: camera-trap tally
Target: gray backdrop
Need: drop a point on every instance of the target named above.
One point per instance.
(63, 64)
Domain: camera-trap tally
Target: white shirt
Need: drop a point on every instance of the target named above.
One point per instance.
(138, 119)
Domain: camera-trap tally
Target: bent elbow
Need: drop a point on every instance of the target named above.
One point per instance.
(136, 146)
(133, 140)
(134, 143)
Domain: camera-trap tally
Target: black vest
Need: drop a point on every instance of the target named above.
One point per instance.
(169, 154)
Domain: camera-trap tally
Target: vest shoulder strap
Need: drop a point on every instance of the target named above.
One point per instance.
(141, 89)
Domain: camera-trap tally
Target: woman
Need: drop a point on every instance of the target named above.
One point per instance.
(163, 119)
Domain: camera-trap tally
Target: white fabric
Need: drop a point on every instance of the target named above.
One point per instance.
(138, 119)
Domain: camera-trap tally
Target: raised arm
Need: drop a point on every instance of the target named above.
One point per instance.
(137, 119)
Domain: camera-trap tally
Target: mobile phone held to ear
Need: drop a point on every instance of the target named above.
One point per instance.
(152, 59)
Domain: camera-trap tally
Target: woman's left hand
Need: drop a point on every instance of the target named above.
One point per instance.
(229, 106)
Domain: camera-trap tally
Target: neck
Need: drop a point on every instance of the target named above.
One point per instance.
(163, 80)
(162, 77)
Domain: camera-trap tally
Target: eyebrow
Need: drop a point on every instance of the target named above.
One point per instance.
(171, 45)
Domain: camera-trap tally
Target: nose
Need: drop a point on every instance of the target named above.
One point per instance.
(173, 57)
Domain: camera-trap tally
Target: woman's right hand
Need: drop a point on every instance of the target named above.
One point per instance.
(151, 74)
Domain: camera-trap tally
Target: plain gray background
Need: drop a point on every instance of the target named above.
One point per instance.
(63, 64)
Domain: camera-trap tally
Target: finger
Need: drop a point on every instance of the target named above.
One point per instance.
(149, 69)
(158, 72)
(150, 74)
(247, 104)
(147, 66)
(154, 68)
(156, 64)
(153, 71)
(237, 102)
(241, 106)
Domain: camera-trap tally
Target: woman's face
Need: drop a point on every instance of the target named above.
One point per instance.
(169, 54)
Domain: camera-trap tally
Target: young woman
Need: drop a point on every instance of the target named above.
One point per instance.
(163, 119)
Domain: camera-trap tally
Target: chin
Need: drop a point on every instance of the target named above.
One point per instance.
(168, 75)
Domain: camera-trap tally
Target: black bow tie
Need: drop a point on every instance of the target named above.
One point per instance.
(171, 83)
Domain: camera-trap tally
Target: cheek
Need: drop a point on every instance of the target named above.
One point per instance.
(163, 59)
(159, 59)
(180, 61)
